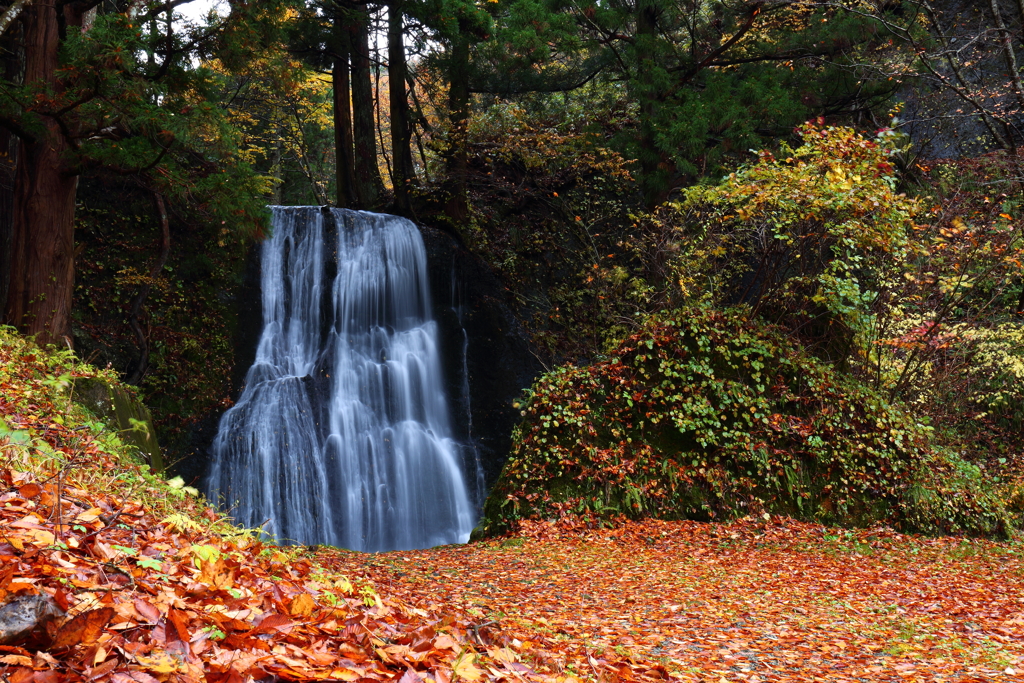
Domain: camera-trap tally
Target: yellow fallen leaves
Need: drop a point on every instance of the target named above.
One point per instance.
(465, 668)
(159, 662)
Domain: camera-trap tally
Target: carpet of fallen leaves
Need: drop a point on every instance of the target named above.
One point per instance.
(754, 600)
(139, 599)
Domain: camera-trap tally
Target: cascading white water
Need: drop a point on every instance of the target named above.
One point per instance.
(341, 435)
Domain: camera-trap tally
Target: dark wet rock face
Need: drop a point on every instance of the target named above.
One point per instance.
(248, 310)
(486, 351)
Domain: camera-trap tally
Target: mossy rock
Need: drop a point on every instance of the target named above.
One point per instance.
(706, 414)
(125, 413)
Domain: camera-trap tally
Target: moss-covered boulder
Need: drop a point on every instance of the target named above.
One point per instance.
(123, 412)
(705, 414)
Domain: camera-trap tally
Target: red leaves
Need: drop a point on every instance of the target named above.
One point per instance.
(764, 600)
(148, 603)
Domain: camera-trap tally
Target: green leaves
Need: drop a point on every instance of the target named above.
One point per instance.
(799, 439)
(809, 238)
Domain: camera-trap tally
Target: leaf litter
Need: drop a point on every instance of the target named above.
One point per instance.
(144, 601)
(753, 600)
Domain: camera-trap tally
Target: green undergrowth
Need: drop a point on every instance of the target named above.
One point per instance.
(705, 414)
(43, 430)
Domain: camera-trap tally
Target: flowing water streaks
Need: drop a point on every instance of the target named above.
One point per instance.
(342, 434)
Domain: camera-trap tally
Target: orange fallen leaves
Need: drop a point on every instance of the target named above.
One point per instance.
(84, 629)
(147, 603)
(755, 600)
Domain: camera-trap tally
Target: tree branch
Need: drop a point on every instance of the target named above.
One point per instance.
(721, 49)
(160, 9)
(12, 13)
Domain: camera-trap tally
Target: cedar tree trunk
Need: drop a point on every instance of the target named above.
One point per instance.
(42, 230)
(403, 172)
(367, 174)
(344, 162)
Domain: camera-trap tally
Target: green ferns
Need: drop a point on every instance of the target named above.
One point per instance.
(705, 414)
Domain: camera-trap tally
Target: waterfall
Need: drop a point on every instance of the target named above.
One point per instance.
(342, 433)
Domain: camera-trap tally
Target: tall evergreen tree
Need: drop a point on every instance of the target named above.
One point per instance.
(364, 131)
(84, 99)
(334, 36)
(403, 172)
(706, 79)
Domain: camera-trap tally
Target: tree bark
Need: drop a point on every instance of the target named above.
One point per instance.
(10, 70)
(343, 154)
(11, 13)
(42, 239)
(457, 156)
(367, 175)
(8, 170)
(651, 174)
(403, 172)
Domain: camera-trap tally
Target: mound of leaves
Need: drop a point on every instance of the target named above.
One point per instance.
(705, 414)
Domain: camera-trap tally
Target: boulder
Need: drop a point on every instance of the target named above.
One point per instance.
(123, 412)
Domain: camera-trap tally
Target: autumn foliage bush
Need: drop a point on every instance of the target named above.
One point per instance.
(811, 238)
(707, 414)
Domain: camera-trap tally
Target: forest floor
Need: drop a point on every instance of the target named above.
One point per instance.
(153, 600)
(754, 600)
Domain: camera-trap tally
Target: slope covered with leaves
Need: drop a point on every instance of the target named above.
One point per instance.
(109, 574)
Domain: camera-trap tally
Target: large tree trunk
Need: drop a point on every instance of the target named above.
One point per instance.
(652, 173)
(10, 70)
(367, 174)
(344, 162)
(403, 173)
(457, 156)
(42, 231)
(8, 169)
